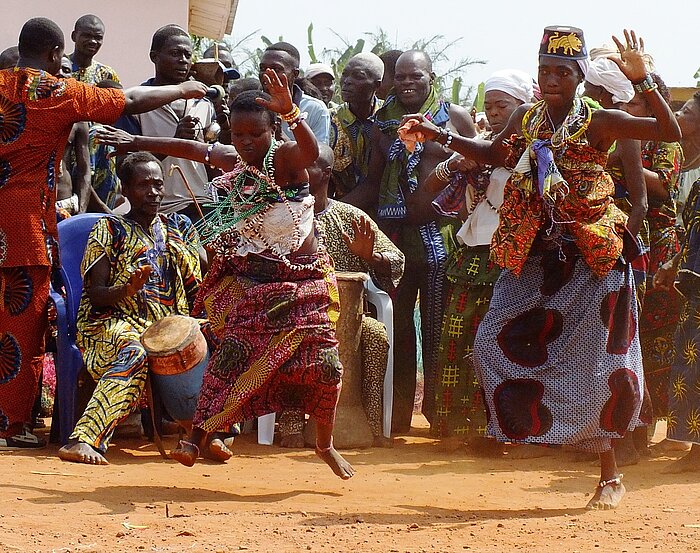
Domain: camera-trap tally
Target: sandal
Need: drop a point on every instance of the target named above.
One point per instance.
(25, 440)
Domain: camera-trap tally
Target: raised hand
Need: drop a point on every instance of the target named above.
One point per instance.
(193, 89)
(362, 242)
(277, 87)
(630, 60)
(111, 136)
(137, 279)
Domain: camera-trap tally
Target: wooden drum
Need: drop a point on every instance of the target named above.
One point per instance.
(351, 427)
(177, 357)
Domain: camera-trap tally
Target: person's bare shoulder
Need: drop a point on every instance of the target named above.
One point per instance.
(462, 121)
(515, 123)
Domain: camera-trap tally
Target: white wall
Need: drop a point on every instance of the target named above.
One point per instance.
(129, 24)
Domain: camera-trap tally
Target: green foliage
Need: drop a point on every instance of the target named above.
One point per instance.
(479, 100)
(697, 76)
(455, 97)
(309, 35)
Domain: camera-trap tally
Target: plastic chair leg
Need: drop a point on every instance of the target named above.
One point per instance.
(385, 315)
(266, 429)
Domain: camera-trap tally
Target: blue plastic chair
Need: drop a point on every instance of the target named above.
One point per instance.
(72, 239)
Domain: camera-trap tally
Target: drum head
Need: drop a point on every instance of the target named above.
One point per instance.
(169, 334)
(351, 275)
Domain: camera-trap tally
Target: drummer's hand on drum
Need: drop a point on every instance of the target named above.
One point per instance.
(362, 241)
(137, 279)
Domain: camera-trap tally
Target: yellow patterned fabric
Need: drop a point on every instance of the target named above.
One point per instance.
(337, 219)
(109, 337)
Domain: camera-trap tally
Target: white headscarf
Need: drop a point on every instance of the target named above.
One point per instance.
(511, 81)
(584, 65)
(604, 72)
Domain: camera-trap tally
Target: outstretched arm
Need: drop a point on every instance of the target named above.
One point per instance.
(631, 158)
(140, 99)
(220, 155)
(482, 151)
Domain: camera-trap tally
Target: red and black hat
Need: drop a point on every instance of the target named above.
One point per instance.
(563, 42)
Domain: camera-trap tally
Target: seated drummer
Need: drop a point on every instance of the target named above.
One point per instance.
(137, 269)
(355, 244)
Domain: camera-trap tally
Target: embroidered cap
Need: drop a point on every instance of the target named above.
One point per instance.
(563, 42)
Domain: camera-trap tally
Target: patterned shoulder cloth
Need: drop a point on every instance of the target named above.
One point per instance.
(559, 190)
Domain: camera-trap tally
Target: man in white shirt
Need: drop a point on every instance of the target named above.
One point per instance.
(171, 53)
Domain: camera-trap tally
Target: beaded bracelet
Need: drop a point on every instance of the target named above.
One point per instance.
(442, 132)
(449, 138)
(293, 124)
(210, 149)
(646, 85)
(442, 171)
(292, 115)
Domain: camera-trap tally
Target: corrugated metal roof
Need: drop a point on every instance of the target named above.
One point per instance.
(212, 18)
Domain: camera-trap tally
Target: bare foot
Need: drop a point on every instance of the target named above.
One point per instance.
(688, 463)
(607, 497)
(186, 453)
(527, 451)
(335, 460)
(293, 441)
(217, 451)
(80, 452)
(666, 447)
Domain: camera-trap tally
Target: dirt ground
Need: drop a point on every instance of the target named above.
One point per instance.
(411, 498)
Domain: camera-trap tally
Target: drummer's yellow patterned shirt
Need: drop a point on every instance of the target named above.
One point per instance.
(171, 249)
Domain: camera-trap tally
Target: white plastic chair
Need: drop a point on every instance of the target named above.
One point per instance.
(385, 315)
(266, 429)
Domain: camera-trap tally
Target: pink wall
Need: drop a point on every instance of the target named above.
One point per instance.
(130, 24)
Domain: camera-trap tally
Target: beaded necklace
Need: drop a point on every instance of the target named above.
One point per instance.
(252, 192)
(573, 127)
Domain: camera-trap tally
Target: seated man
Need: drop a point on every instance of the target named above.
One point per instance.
(137, 269)
(355, 243)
